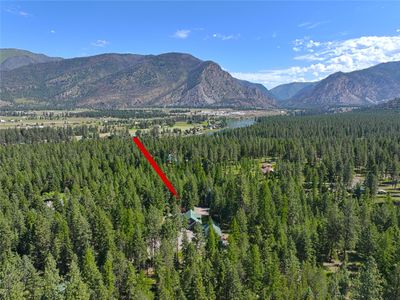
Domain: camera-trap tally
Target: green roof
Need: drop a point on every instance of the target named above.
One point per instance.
(216, 228)
(190, 214)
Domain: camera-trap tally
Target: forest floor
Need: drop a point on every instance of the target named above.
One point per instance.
(386, 187)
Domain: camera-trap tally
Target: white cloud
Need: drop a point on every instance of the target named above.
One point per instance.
(271, 78)
(398, 30)
(52, 31)
(182, 34)
(18, 12)
(100, 43)
(224, 37)
(324, 58)
(310, 25)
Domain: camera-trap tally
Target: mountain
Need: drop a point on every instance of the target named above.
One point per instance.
(14, 58)
(392, 105)
(286, 91)
(359, 88)
(129, 80)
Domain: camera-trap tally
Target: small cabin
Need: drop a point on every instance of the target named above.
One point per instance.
(267, 168)
(216, 229)
(195, 216)
(192, 218)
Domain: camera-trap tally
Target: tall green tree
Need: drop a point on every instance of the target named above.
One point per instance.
(93, 277)
(369, 284)
(76, 288)
(52, 282)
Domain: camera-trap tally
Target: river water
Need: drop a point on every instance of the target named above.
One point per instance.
(238, 123)
(235, 123)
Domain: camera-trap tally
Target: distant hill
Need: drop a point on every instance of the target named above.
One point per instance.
(391, 105)
(129, 80)
(14, 58)
(286, 91)
(359, 88)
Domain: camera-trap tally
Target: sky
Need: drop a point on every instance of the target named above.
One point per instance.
(270, 42)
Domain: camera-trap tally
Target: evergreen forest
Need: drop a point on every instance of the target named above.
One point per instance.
(90, 219)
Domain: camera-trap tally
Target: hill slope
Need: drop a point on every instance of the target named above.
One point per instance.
(359, 88)
(286, 91)
(14, 58)
(128, 80)
(392, 105)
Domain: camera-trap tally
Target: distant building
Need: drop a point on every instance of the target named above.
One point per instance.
(267, 168)
(195, 216)
(192, 218)
(216, 229)
(202, 211)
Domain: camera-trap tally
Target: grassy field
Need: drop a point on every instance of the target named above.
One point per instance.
(22, 122)
(386, 188)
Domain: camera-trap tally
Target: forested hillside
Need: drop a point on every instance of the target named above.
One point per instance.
(91, 220)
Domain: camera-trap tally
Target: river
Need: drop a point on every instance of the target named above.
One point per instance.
(235, 123)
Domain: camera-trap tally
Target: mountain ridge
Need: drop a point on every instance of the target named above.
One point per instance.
(286, 91)
(12, 58)
(364, 87)
(113, 80)
(130, 80)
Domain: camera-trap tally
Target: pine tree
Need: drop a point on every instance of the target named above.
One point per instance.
(211, 243)
(93, 277)
(109, 277)
(31, 279)
(369, 284)
(11, 285)
(255, 269)
(52, 284)
(231, 286)
(392, 291)
(350, 226)
(76, 288)
(138, 285)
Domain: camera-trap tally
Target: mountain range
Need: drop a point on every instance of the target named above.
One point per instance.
(129, 80)
(14, 58)
(392, 105)
(286, 91)
(114, 81)
(365, 87)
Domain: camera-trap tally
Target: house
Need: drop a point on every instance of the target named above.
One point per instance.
(202, 211)
(192, 218)
(216, 229)
(196, 215)
(267, 168)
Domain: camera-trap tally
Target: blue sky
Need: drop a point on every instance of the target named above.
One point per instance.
(271, 42)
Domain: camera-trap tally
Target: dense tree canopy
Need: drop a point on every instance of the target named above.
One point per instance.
(90, 219)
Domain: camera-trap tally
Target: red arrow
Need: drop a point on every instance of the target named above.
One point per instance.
(156, 168)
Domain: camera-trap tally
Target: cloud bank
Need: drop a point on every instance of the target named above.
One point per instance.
(17, 11)
(320, 59)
